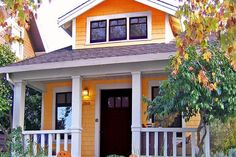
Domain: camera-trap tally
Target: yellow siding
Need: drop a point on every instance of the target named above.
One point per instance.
(118, 7)
(28, 48)
(88, 110)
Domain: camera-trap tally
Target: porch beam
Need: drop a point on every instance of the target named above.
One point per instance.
(76, 127)
(136, 112)
(19, 104)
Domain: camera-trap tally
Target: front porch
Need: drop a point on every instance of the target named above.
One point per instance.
(83, 137)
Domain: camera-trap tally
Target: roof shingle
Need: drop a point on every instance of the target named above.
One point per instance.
(93, 53)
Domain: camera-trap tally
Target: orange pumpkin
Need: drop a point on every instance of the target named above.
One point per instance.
(64, 154)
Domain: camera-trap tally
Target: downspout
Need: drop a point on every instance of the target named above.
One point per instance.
(10, 80)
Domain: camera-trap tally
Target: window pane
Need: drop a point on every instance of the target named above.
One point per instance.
(138, 28)
(64, 116)
(118, 102)
(98, 31)
(118, 33)
(102, 24)
(125, 102)
(94, 24)
(98, 35)
(111, 102)
(138, 31)
(68, 99)
(118, 30)
(155, 91)
(61, 98)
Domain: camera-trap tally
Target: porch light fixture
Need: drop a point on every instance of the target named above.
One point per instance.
(85, 92)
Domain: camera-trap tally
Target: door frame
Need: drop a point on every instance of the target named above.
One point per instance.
(98, 110)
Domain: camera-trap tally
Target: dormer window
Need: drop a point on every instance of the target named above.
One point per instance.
(119, 27)
(138, 28)
(98, 31)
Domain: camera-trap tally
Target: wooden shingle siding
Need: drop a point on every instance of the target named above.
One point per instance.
(28, 48)
(112, 7)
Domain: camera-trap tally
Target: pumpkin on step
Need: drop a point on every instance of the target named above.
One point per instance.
(64, 154)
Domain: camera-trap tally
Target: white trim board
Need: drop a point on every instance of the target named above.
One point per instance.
(100, 87)
(87, 5)
(127, 16)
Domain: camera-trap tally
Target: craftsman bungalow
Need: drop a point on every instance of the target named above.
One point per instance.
(92, 94)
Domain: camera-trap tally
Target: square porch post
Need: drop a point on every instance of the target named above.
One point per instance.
(19, 105)
(136, 112)
(76, 127)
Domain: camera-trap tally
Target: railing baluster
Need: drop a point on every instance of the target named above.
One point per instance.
(147, 143)
(174, 145)
(43, 142)
(58, 140)
(156, 143)
(49, 145)
(183, 144)
(26, 141)
(66, 142)
(165, 144)
(35, 142)
(193, 144)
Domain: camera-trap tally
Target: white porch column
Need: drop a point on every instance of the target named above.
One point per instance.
(207, 143)
(76, 127)
(136, 112)
(19, 105)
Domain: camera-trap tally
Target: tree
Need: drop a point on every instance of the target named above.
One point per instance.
(33, 108)
(187, 92)
(203, 78)
(6, 57)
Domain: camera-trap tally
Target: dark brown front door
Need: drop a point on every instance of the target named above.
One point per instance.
(115, 122)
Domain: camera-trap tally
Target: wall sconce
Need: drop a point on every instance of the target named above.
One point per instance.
(85, 92)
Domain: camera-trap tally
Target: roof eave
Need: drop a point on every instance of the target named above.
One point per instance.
(77, 11)
(87, 62)
(92, 3)
(160, 6)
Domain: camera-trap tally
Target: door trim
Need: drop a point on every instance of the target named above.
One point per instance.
(98, 110)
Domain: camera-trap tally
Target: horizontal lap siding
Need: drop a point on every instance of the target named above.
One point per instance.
(110, 7)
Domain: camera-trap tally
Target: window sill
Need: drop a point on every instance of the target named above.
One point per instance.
(118, 41)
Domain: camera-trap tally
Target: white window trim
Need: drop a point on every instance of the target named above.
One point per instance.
(158, 83)
(100, 87)
(55, 91)
(118, 16)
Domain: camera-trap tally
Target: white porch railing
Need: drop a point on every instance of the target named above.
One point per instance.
(49, 142)
(169, 142)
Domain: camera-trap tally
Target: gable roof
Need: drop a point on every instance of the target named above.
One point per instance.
(169, 7)
(66, 58)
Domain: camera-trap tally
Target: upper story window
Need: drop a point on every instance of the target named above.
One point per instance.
(98, 31)
(119, 27)
(138, 28)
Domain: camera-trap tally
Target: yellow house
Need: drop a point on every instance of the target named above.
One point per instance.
(92, 93)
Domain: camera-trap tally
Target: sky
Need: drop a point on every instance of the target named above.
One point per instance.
(53, 36)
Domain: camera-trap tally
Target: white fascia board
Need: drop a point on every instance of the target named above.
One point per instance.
(78, 11)
(159, 5)
(88, 62)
